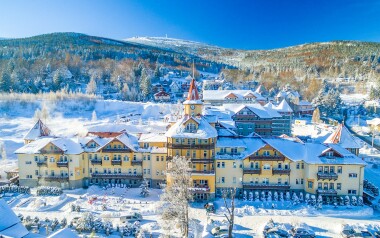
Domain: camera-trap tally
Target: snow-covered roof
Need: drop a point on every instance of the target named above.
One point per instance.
(283, 107)
(10, 224)
(304, 103)
(212, 95)
(152, 137)
(67, 145)
(204, 131)
(38, 130)
(374, 121)
(250, 145)
(193, 95)
(343, 137)
(64, 233)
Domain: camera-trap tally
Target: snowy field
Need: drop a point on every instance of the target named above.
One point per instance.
(251, 216)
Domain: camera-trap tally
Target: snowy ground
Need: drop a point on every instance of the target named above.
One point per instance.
(251, 216)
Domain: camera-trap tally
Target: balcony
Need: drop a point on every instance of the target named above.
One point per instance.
(202, 161)
(55, 177)
(200, 189)
(116, 150)
(96, 162)
(267, 158)
(280, 171)
(116, 176)
(265, 186)
(192, 146)
(116, 162)
(51, 152)
(207, 172)
(251, 171)
(329, 176)
(136, 162)
(41, 163)
(326, 192)
(61, 164)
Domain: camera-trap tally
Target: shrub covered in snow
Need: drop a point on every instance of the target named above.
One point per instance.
(14, 189)
(52, 191)
(370, 187)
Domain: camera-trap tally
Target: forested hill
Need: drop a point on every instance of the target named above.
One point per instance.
(346, 59)
(53, 61)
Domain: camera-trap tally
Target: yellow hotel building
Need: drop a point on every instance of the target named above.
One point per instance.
(219, 158)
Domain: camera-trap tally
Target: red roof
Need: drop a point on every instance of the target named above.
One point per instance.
(193, 91)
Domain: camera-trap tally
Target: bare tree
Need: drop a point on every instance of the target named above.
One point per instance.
(175, 199)
(229, 194)
(316, 116)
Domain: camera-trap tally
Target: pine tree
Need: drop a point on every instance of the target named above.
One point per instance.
(57, 79)
(316, 116)
(146, 84)
(157, 73)
(5, 81)
(91, 86)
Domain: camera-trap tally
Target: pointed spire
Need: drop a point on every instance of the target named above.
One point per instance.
(193, 91)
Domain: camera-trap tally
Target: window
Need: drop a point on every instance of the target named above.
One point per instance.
(266, 167)
(320, 169)
(223, 179)
(326, 169)
(257, 165)
(36, 172)
(148, 171)
(296, 181)
(301, 180)
(326, 186)
(144, 171)
(279, 166)
(330, 154)
(266, 153)
(52, 159)
(310, 184)
(194, 154)
(190, 127)
(302, 165)
(352, 192)
(331, 186)
(28, 162)
(233, 150)
(332, 169)
(319, 185)
(298, 166)
(234, 165)
(352, 175)
(339, 169)
(218, 165)
(279, 181)
(148, 157)
(217, 180)
(205, 154)
(157, 158)
(35, 158)
(223, 165)
(265, 180)
(126, 158)
(339, 186)
(134, 157)
(162, 158)
(157, 172)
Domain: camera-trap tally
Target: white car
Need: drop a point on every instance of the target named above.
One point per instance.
(219, 231)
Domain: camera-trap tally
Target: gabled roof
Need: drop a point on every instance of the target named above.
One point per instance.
(283, 107)
(193, 91)
(261, 89)
(10, 224)
(68, 146)
(212, 95)
(64, 233)
(126, 139)
(343, 137)
(161, 93)
(204, 131)
(38, 130)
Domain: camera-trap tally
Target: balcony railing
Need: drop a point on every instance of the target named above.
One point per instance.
(41, 163)
(118, 150)
(329, 176)
(281, 171)
(267, 158)
(116, 176)
(96, 162)
(55, 177)
(265, 186)
(200, 189)
(202, 161)
(251, 171)
(51, 152)
(192, 146)
(136, 162)
(203, 172)
(327, 191)
(116, 162)
(62, 164)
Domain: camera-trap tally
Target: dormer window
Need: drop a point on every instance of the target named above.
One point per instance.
(191, 127)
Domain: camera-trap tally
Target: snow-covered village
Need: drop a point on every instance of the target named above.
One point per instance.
(142, 136)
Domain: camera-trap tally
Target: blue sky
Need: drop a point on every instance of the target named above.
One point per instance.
(245, 24)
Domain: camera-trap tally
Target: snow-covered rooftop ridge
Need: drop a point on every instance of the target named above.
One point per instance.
(64, 233)
(204, 130)
(10, 224)
(343, 137)
(152, 137)
(283, 107)
(38, 130)
(66, 145)
(222, 94)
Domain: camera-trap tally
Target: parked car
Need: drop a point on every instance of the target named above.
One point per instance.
(301, 232)
(219, 231)
(131, 217)
(275, 232)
